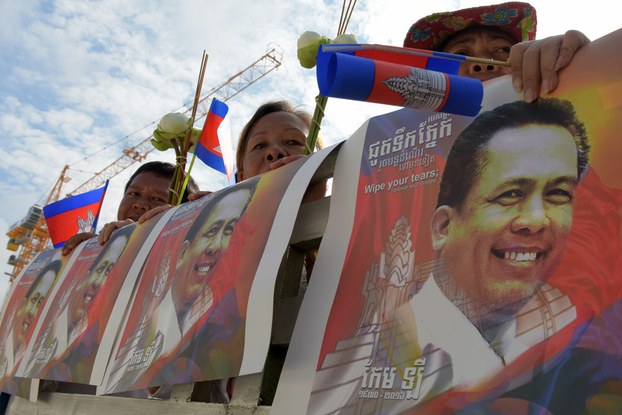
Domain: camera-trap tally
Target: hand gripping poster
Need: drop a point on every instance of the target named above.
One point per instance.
(473, 264)
(202, 307)
(22, 311)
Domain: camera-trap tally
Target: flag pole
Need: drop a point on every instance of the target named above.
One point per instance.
(181, 177)
(99, 209)
(187, 177)
(415, 52)
(320, 100)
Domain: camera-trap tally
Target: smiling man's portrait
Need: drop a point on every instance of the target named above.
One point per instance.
(503, 216)
(22, 313)
(189, 285)
(202, 251)
(29, 309)
(73, 313)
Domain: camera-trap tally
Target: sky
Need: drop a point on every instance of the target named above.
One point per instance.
(82, 80)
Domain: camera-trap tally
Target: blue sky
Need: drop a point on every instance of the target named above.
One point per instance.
(81, 80)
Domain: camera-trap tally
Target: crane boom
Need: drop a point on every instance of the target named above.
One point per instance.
(225, 91)
(30, 236)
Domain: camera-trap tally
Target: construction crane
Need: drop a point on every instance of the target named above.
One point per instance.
(30, 235)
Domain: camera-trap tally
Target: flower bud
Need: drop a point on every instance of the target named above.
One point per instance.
(174, 123)
(345, 38)
(308, 44)
(308, 38)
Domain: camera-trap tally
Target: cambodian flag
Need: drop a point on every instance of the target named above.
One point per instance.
(213, 149)
(73, 215)
(398, 76)
(417, 58)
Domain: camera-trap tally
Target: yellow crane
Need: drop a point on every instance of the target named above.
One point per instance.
(30, 235)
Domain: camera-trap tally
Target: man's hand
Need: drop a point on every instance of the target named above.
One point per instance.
(285, 160)
(75, 241)
(106, 232)
(535, 63)
(197, 195)
(153, 212)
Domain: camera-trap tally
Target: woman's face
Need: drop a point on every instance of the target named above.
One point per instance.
(274, 136)
(485, 43)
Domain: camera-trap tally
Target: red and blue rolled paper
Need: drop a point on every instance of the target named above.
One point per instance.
(73, 215)
(408, 78)
(214, 149)
(417, 58)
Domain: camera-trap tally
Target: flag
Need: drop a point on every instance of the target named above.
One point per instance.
(380, 75)
(417, 58)
(215, 149)
(73, 215)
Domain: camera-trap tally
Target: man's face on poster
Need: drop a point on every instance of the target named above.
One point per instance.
(29, 308)
(509, 236)
(87, 289)
(201, 256)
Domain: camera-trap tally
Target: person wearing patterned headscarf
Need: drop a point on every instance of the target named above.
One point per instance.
(501, 32)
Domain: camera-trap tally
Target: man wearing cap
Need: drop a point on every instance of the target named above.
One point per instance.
(500, 32)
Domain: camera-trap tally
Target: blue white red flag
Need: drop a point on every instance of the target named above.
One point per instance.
(398, 76)
(214, 148)
(417, 58)
(73, 215)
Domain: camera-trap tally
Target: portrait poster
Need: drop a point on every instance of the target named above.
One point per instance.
(21, 313)
(67, 340)
(199, 308)
(122, 281)
(48, 342)
(505, 298)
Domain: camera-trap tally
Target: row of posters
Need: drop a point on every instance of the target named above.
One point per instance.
(473, 264)
(185, 297)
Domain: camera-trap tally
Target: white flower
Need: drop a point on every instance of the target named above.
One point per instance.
(174, 123)
(173, 126)
(345, 38)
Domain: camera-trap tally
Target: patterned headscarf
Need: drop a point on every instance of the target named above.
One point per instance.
(431, 32)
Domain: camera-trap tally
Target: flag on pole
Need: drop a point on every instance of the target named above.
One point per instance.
(345, 74)
(448, 63)
(73, 215)
(215, 149)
